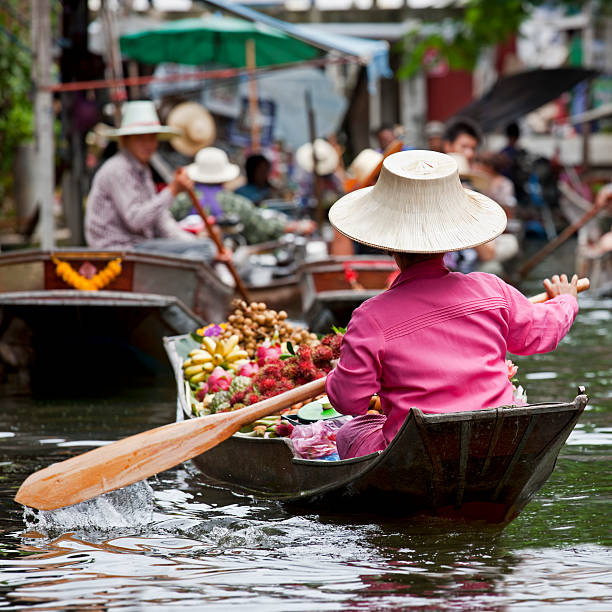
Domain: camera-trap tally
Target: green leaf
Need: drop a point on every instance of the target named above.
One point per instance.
(290, 348)
(199, 339)
(339, 330)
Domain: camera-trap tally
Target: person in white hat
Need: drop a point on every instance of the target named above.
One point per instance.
(435, 340)
(124, 209)
(210, 171)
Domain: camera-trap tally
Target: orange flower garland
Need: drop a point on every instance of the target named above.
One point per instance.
(100, 280)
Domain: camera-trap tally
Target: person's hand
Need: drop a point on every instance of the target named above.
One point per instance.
(180, 182)
(561, 286)
(224, 256)
(604, 195)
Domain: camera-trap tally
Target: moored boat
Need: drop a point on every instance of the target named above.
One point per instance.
(480, 465)
(332, 289)
(58, 304)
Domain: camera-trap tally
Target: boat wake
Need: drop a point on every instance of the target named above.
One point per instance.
(129, 507)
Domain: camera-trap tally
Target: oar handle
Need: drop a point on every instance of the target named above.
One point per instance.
(230, 266)
(583, 285)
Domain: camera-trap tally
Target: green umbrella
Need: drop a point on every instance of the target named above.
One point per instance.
(217, 39)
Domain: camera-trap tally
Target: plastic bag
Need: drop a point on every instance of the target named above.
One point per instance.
(316, 440)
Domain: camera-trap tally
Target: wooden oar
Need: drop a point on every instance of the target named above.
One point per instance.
(145, 454)
(211, 232)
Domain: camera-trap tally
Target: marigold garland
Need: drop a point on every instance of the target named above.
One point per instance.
(100, 280)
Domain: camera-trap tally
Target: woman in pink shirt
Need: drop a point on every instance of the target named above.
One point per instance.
(436, 340)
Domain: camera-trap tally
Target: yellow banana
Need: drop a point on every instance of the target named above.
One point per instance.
(209, 345)
(198, 378)
(202, 357)
(192, 370)
(187, 363)
(230, 344)
(208, 367)
(235, 355)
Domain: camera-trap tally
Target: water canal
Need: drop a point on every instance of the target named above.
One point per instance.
(176, 544)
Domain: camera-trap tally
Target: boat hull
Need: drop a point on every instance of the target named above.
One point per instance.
(481, 465)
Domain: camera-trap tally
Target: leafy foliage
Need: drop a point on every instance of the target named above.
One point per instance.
(16, 118)
(459, 41)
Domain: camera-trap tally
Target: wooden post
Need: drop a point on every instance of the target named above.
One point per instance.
(44, 175)
(251, 63)
(113, 58)
(315, 174)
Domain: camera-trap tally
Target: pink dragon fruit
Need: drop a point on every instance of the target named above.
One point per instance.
(219, 380)
(268, 352)
(249, 369)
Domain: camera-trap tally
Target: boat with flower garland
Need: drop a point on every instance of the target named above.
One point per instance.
(58, 304)
(482, 465)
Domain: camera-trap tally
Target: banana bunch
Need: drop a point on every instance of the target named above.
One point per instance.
(211, 354)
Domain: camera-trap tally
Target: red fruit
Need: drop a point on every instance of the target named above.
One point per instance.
(283, 429)
(322, 354)
(267, 384)
(304, 352)
(238, 397)
(252, 398)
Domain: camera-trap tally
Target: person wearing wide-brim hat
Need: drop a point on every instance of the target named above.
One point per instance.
(435, 340)
(124, 209)
(211, 171)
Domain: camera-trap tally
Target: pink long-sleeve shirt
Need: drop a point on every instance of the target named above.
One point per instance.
(437, 340)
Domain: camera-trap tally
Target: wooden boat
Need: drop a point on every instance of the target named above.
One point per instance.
(46, 320)
(482, 465)
(332, 289)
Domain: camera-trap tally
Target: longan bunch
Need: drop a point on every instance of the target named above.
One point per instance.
(255, 322)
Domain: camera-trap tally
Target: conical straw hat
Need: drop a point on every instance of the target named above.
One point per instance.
(418, 206)
(195, 123)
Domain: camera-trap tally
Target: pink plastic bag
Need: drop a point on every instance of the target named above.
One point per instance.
(317, 439)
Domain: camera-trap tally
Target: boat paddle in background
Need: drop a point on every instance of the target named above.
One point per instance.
(143, 455)
(213, 235)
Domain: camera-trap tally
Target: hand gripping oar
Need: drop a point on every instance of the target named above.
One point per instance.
(230, 266)
(138, 457)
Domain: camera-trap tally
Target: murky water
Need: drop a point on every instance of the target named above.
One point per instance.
(175, 544)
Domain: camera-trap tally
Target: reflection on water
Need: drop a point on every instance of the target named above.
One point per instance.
(176, 544)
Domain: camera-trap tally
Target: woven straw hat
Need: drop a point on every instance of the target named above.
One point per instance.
(140, 117)
(418, 206)
(196, 124)
(364, 164)
(327, 157)
(212, 167)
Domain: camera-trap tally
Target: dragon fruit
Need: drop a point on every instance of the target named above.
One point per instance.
(219, 380)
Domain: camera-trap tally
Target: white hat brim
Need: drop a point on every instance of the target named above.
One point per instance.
(163, 132)
(462, 225)
(229, 173)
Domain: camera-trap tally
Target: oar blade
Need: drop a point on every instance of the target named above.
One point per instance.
(122, 463)
(143, 455)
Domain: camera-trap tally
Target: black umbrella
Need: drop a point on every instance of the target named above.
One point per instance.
(514, 96)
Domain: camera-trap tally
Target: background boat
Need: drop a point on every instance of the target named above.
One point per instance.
(482, 465)
(332, 289)
(55, 331)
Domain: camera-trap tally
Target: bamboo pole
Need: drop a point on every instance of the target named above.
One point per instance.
(251, 63)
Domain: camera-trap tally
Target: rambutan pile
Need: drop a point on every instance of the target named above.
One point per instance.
(280, 375)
